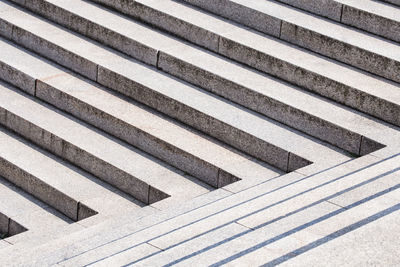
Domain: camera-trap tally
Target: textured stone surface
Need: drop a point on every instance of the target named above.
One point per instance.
(210, 111)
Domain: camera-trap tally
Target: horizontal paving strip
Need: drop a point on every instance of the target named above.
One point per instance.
(270, 245)
(238, 84)
(184, 237)
(321, 36)
(71, 191)
(229, 209)
(330, 79)
(248, 132)
(121, 118)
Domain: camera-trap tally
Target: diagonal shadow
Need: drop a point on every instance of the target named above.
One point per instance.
(259, 210)
(294, 230)
(333, 236)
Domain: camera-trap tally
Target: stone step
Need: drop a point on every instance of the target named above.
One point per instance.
(129, 121)
(341, 83)
(30, 214)
(280, 101)
(258, 137)
(69, 190)
(321, 36)
(97, 153)
(371, 16)
(230, 208)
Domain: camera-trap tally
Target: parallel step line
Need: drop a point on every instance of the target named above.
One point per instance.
(320, 36)
(334, 80)
(196, 67)
(118, 119)
(161, 93)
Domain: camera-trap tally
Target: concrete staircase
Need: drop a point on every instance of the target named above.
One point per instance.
(199, 132)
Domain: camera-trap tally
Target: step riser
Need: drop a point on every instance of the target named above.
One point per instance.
(42, 191)
(350, 16)
(314, 82)
(80, 158)
(372, 23)
(249, 144)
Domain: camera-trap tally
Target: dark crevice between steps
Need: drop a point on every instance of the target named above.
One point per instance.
(9, 227)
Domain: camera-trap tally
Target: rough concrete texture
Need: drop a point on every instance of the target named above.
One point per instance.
(198, 132)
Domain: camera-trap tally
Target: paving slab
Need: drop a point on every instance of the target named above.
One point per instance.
(346, 184)
(166, 257)
(273, 251)
(372, 244)
(239, 243)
